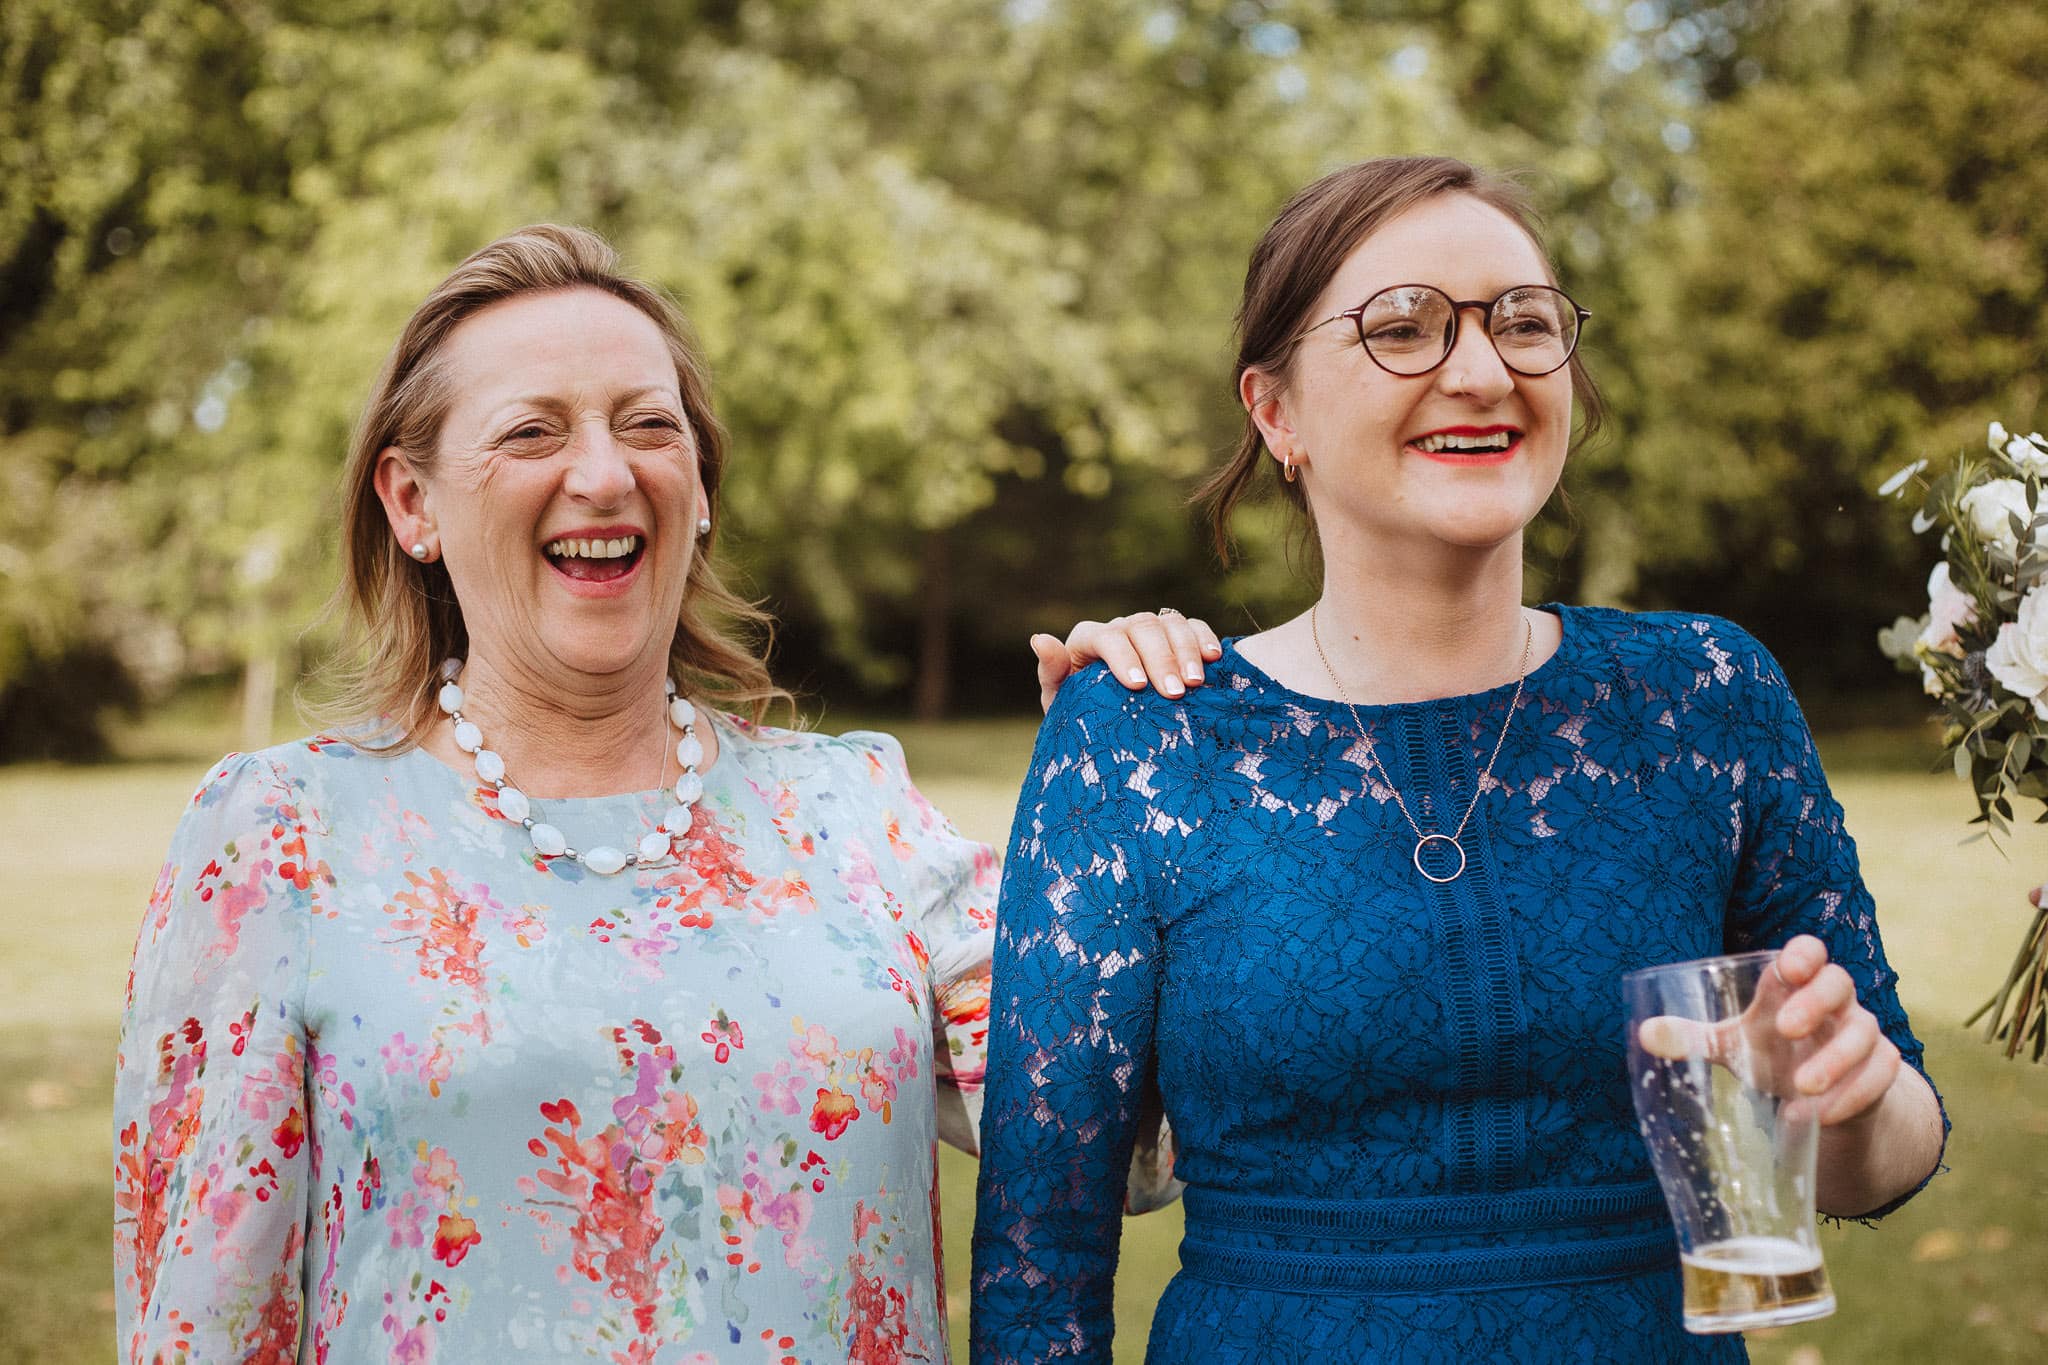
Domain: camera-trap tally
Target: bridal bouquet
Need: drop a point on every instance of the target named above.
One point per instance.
(1981, 651)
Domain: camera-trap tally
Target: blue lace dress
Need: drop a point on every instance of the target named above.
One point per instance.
(1402, 1112)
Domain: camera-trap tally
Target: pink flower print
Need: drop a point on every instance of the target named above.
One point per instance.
(407, 1220)
(435, 1170)
(865, 1220)
(227, 1206)
(877, 1087)
(859, 879)
(231, 904)
(336, 1094)
(987, 877)
(779, 1090)
(265, 1089)
(790, 1215)
(903, 1056)
(437, 1068)
(724, 1036)
(814, 1047)
(413, 1346)
(526, 925)
(400, 1057)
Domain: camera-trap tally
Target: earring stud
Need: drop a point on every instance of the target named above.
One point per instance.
(419, 550)
(703, 526)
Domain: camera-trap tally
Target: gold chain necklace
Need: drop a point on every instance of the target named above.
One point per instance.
(1422, 840)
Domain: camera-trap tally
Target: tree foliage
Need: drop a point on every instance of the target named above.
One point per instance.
(965, 273)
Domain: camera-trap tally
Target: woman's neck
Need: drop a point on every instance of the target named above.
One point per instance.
(1411, 626)
(595, 736)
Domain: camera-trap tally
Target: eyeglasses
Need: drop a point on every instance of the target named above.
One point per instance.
(1409, 329)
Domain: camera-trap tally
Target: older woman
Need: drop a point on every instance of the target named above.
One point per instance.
(1360, 905)
(565, 1014)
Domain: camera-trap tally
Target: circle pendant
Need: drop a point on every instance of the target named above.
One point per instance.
(1424, 842)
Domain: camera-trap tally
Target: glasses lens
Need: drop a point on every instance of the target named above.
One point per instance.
(1407, 329)
(1534, 329)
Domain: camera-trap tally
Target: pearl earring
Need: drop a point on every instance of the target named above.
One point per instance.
(703, 526)
(419, 550)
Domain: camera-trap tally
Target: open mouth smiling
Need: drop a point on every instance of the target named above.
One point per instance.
(594, 559)
(1469, 445)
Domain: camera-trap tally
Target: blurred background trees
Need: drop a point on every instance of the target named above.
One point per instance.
(965, 272)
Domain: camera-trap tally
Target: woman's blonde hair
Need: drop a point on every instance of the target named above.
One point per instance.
(399, 616)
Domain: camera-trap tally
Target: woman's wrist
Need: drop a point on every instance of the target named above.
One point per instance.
(1871, 1159)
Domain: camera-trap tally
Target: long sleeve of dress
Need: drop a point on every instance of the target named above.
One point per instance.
(1799, 872)
(212, 1158)
(949, 885)
(1070, 1057)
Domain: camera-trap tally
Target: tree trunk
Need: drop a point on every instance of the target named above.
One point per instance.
(932, 690)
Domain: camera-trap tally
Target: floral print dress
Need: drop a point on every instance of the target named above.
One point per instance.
(392, 1088)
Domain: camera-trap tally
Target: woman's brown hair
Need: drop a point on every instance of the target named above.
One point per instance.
(1293, 263)
(400, 617)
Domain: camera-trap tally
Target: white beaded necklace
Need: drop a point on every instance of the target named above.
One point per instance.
(548, 841)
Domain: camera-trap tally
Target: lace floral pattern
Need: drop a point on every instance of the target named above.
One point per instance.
(1215, 896)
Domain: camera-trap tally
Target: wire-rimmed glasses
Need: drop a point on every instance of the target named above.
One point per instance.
(1409, 329)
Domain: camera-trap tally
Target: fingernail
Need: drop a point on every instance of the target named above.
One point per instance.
(1171, 687)
(1812, 1082)
(1136, 675)
(1193, 672)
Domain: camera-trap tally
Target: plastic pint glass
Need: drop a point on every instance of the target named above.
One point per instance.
(1732, 1141)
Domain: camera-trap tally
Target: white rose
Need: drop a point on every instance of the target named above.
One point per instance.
(2018, 658)
(2029, 454)
(1995, 437)
(1992, 505)
(1948, 609)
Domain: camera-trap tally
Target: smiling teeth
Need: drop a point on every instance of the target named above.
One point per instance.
(1497, 442)
(616, 548)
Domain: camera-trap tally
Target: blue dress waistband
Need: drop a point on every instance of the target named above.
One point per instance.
(1520, 1238)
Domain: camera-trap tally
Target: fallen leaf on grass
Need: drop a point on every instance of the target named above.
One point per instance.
(1942, 1244)
(1994, 1239)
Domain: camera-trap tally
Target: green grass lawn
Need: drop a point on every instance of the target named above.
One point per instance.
(1955, 1276)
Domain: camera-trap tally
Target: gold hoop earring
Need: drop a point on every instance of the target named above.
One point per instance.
(1287, 470)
